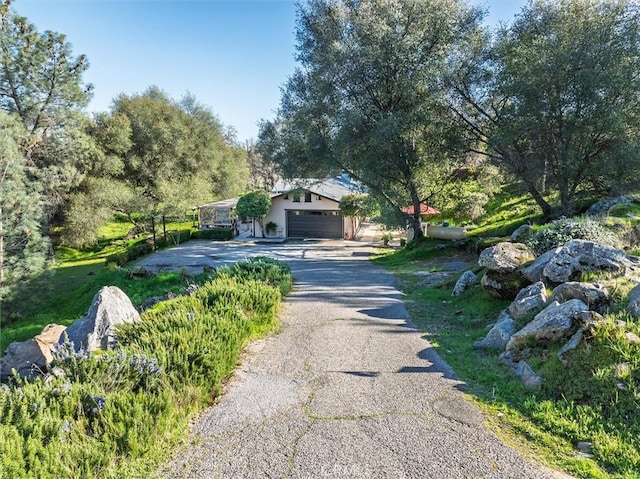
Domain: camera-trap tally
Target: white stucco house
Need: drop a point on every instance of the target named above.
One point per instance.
(309, 208)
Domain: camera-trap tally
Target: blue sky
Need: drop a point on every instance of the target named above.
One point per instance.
(232, 55)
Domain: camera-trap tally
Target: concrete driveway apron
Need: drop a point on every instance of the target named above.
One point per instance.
(347, 389)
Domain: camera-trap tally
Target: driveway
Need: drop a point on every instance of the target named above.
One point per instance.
(347, 389)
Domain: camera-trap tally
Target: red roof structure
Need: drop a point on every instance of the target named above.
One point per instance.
(424, 210)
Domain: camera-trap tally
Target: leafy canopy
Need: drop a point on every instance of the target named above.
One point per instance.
(255, 204)
(369, 96)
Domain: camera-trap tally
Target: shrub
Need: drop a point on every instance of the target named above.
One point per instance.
(559, 232)
(267, 270)
(174, 237)
(119, 413)
(132, 253)
(217, 234)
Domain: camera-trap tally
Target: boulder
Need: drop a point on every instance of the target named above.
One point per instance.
(522, 234)
(553, 323)
(634, 301)
(33, 356)
(505, 257)
(601, 208)
(596, 296)
(467, 279)
(581, 256)
(110, 307)
(533, 271)
(527, 375)
(503, 286)
(529, 301)
(588, 319)
(521, 369)
(499, 335)
(570, 345)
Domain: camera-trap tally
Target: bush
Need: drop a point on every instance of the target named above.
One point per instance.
(216, 234)
(120, 413)
(266, 270)
(174, 237)
(559, 232)
(132, 253)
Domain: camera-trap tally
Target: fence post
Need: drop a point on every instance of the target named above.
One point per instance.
(164, 229)
(153, 231)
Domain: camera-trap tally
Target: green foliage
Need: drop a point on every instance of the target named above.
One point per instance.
(558, 232)
(254, 205)
(24, 247)
(40, 79)
(553, 99)
(120, 413)
(218, 234)
(270, 227)
(369, 97)
(131, 253)
(266, 270)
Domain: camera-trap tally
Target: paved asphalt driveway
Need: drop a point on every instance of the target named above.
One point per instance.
(347, 389)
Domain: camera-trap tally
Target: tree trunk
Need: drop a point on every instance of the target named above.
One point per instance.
(1, 250)
(542, 203)
(566, 200)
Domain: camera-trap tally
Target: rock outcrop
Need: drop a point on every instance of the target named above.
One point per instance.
(553, 323)
(634, 301)
(594, 295)
(110, 307)
(505, 258)
(581, 256)
(529, 301)
(522, 234)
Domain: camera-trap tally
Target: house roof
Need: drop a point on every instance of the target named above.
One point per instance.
(230, 203)
(424, 210)
(332, 188)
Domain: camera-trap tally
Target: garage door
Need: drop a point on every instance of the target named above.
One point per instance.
(314, 224)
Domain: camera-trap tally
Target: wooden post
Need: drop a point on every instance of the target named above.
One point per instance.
(164, 229)
(153, 231)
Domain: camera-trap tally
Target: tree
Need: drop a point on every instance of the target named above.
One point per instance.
(555, 99)
(41, 83)
(369, 97)
(357, 207)
(23, 247)
(156, 156)
(262, 173)
(254, 205)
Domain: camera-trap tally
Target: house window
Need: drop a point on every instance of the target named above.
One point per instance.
(296, 197)
(307, 197)
(286, 196)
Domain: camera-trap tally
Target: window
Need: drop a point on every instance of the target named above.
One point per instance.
(286, 196)
(307, 197)
(296, 197)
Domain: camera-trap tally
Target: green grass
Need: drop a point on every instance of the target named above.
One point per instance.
(579, 402)
(71, 289)
(505, 212)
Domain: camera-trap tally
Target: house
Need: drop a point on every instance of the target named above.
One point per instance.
(309, 208)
